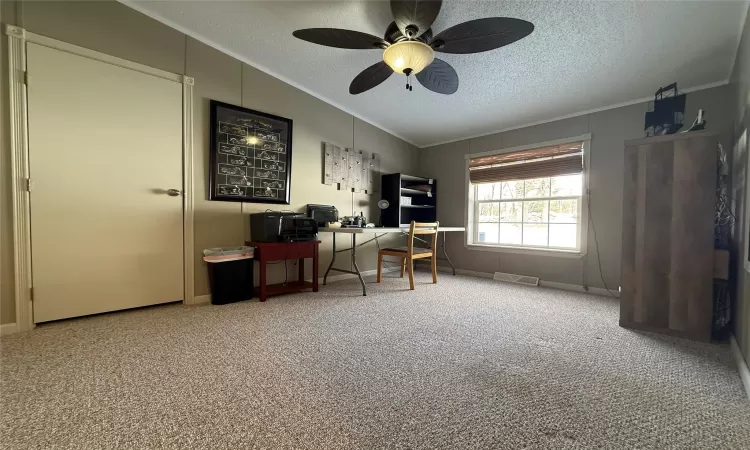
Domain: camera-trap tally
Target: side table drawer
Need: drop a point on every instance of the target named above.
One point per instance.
(307, 250)
(279, 251)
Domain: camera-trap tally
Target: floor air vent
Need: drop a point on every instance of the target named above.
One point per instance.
(513, 278)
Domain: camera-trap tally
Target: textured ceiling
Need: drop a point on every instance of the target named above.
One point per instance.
(583, 55)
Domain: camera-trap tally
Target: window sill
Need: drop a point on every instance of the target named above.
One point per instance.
(556, 253)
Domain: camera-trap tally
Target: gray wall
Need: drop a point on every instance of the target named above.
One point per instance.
(739, 102)
(115, 29)
(609, 129)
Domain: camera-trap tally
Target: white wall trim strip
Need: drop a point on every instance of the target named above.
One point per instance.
(741, 365)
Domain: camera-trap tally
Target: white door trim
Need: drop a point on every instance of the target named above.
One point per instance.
(92, 54)
(19, 177)
(17, 39)
(188, 207)
(742, 367)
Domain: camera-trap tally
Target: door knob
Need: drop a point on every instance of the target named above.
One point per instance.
(173, 192)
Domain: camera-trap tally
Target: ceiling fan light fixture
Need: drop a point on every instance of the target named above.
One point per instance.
(406, 55)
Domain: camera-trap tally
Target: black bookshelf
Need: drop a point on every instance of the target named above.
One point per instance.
(423, 206)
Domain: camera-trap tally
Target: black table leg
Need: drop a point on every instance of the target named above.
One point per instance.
(354, 263)
(333, 259)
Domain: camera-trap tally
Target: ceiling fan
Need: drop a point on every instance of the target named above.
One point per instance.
(409, 46)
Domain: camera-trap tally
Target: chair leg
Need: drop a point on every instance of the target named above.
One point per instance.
(410, 264)
(380, 267)
(403, 267)
(434, 268)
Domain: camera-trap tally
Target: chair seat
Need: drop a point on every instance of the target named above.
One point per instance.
(417, 251)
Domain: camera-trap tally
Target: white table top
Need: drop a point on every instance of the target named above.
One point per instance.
(380, 230)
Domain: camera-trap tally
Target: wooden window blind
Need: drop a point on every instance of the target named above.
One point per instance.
(543, 162)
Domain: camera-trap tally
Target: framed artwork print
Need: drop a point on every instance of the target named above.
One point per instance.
(250, 155)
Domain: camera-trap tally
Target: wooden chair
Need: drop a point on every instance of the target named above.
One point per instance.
(409, 253)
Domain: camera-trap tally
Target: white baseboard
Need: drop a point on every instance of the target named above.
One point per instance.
(577, 288)
(426, 265)
(342, 277)
(349, 276)
(200, 299)
(548, 284)
(741, 364)
(8, 328)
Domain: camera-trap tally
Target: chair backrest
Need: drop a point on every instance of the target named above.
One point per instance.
(422, 228)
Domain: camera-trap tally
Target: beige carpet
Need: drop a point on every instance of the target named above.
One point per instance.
(467, 363)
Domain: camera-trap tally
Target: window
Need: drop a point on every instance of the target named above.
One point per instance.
(528, 199)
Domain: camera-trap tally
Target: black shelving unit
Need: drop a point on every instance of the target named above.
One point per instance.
(424, 205)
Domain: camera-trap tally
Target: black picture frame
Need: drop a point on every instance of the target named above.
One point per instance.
(254, 165)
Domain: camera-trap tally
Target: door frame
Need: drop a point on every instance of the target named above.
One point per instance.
(20, 181)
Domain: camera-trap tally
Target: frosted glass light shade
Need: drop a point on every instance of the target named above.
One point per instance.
(412, 55)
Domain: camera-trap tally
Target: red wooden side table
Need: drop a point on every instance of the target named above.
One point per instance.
(266, 252)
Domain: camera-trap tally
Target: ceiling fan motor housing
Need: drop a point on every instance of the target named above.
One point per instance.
(393, 34)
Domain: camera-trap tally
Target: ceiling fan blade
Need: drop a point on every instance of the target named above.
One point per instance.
(420, 13)
(370, 77)
(481, 35)
(335, 37)
(439, 77)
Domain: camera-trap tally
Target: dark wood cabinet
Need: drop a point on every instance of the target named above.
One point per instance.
(422, 195)
(669, 195)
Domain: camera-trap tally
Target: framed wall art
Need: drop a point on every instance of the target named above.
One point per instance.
(250, 155)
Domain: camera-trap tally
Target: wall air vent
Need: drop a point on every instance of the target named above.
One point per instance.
(519, 279)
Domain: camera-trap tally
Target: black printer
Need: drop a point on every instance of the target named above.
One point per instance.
(282, 227)
(323, 214)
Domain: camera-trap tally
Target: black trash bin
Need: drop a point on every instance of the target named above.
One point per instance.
(230, 274)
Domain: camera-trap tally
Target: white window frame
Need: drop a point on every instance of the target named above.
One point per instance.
(471, 219)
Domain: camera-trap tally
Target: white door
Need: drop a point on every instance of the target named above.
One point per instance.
(105, 145)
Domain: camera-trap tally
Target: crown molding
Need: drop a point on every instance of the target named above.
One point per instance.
(582, 113)
(261, 67)
(733, 63)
